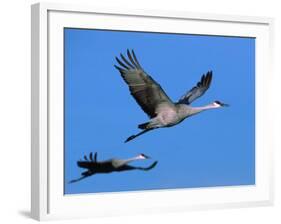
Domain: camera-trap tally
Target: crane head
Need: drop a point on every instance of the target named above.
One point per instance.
(143, 156)
(220, 104)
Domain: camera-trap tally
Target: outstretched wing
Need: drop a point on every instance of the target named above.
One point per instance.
(95, 157)
(146, 91)
(88, 163)
(85, 164)
(91, 156)
(197, 90)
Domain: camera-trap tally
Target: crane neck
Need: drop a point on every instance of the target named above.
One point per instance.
(206, 107)
(132, 159)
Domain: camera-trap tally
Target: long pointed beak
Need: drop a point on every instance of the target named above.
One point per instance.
(225, 105)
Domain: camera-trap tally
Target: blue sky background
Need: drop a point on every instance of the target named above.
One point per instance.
(214, 148)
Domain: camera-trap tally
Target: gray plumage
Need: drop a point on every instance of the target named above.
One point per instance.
(153, 100)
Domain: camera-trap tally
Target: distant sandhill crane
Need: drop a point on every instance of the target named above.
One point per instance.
(155, 102)
(108, 166)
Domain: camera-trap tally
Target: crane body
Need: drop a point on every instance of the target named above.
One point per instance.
(153, 100)
(93, 166)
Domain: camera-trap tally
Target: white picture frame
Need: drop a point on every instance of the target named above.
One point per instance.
(48, 201)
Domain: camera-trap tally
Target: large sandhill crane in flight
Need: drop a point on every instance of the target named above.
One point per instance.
(153, 100)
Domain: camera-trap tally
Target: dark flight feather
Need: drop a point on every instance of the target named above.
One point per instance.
(146, 91)
(198, 90)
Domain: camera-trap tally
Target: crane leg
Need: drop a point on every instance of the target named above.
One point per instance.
(136, 135)
(143, 125)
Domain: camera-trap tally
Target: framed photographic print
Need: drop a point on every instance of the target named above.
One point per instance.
(148, 111)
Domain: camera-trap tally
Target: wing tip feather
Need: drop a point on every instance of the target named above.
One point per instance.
(129, 62)
(121, 70)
